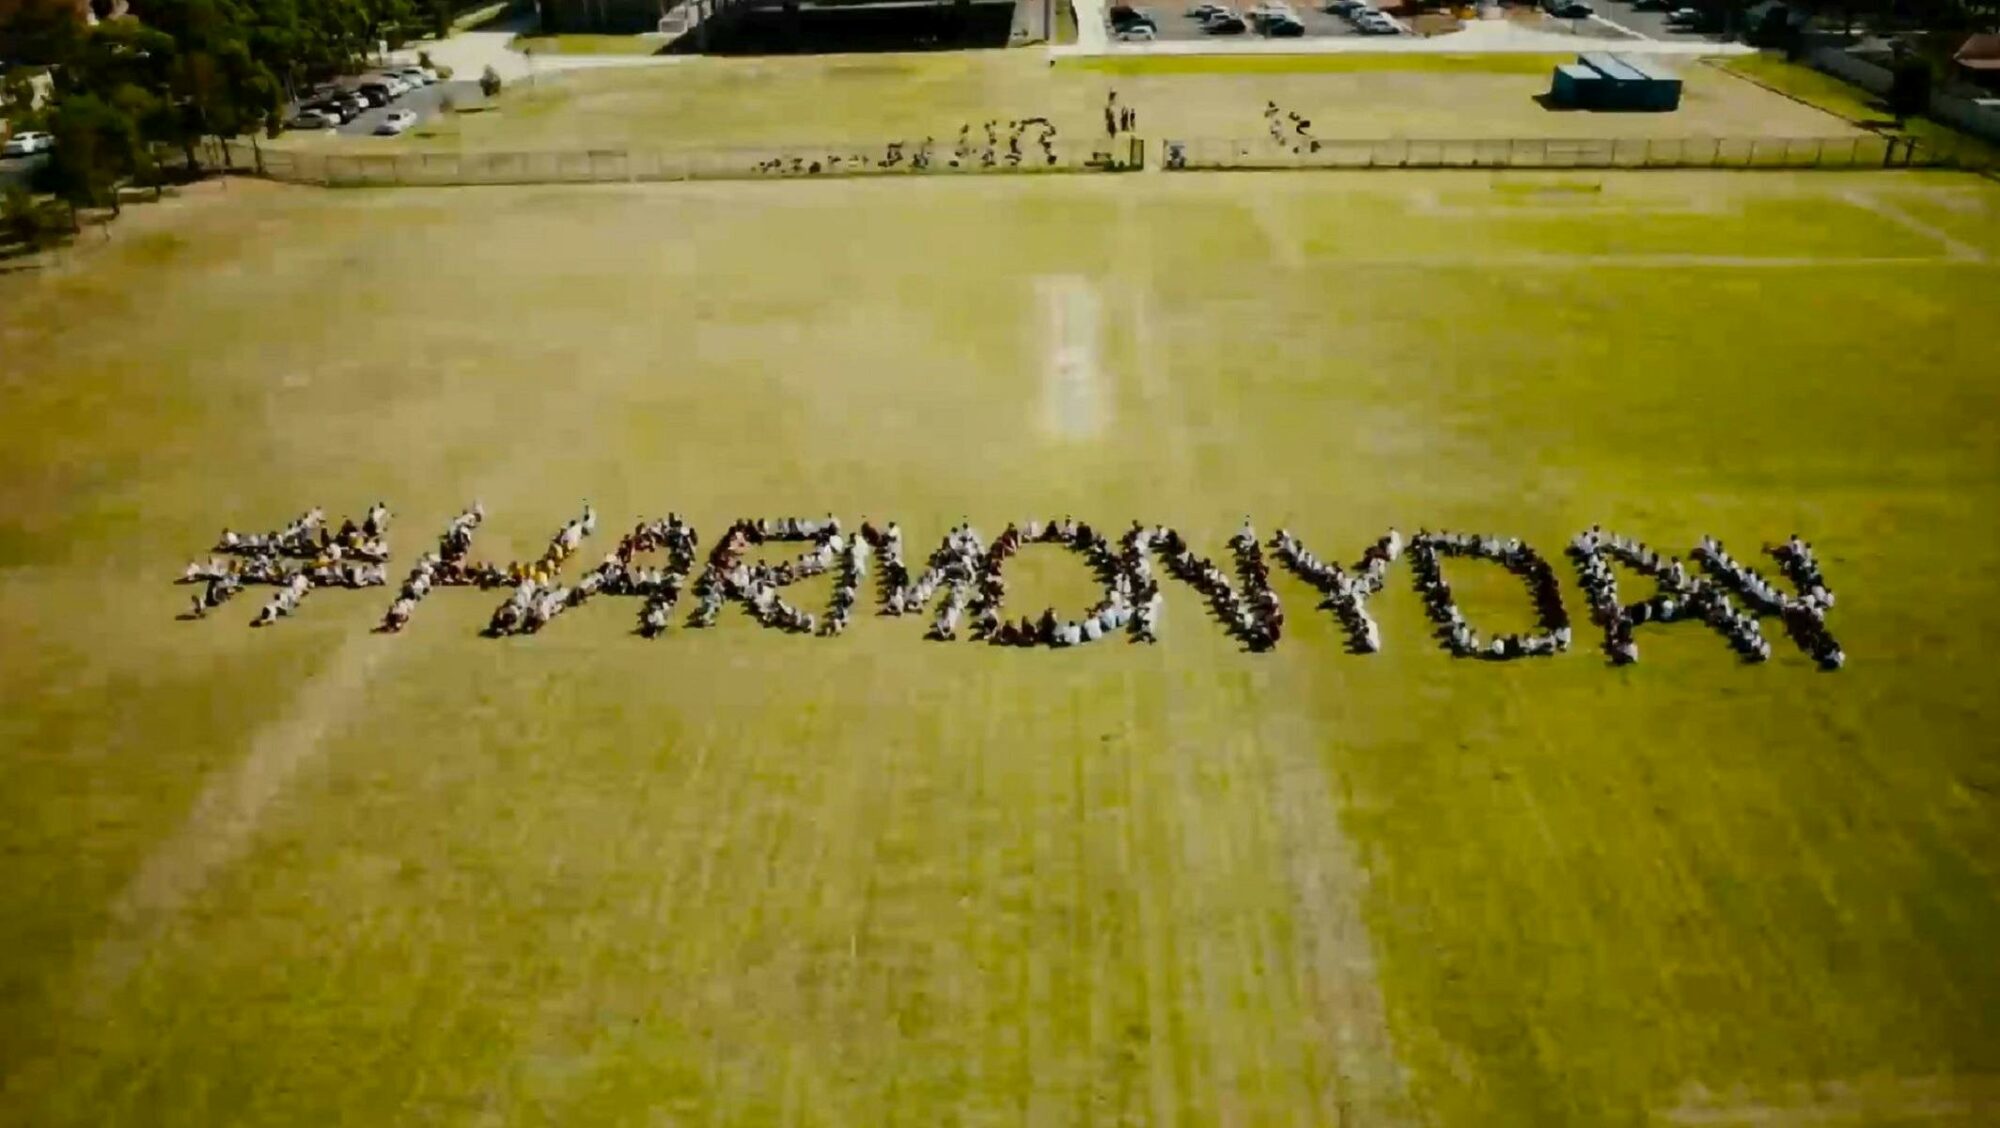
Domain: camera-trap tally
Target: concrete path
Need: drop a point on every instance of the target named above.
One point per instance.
(469, 53)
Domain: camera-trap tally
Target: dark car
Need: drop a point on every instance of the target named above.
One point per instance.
(1278, 25)
(1224, 25)
(1125, 17)
(340, 109)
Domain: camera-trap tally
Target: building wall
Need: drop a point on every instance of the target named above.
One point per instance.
(1959, 113)
(605, 16)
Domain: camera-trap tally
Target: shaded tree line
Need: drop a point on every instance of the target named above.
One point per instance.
(156, 77)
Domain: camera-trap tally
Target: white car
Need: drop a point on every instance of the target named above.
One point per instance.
(27, 143)
(396, 85)
(312, 119)
(396, 122)
(1137, 33)
(1205, 10)
(417, 76)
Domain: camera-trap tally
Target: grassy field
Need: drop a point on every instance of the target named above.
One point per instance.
(1851, 102)
(312, 875)
(877, 98)
(578, 44)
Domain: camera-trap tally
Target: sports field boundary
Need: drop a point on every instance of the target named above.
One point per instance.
(1847, 153)
(1125, 154)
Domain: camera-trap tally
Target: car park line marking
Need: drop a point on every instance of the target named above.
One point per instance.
(1953, 249)
(1631, 31)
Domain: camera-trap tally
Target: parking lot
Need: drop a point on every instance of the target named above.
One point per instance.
(1175, 23)
(1650, 20)
(1187, 21)
(424, 102)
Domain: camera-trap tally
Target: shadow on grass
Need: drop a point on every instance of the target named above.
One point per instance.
(38, 243)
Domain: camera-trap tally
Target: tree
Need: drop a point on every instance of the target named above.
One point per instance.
(40, 32)
(23, 220)
(1909, 89)
(489, 81)
(97, 145)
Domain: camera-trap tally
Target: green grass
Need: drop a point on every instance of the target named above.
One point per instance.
(580, 44)
(1855, 104)
(311, 875)
(872, 99)
(1354, 63)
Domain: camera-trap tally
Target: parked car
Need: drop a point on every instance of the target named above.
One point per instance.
(1684, 16)
(417, 76)
(1571, 10)
(27, 143)
(396, 122)
(1134, 33)
(1278, 25)
(313, 119)
(398, 86)
(1227, 23)
(340, 110)
(1204, 10)
(1123, 16)
(374, 93)
(1346, 7)
(1375, 23)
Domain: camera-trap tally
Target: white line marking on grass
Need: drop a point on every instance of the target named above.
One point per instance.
(1272, 215)
(1338, 954)
(1075, 402)
(1953, 249)
(1898, 1099)
(1533, 259)
(1555, 202)
(226, 816)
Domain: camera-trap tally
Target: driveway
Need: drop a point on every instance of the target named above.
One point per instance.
(1651, 22)
(17, 170)
(469, 53)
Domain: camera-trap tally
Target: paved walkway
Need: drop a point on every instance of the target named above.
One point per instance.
(469, 53)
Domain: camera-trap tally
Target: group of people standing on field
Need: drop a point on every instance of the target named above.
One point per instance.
(1006, 143)
(1289, 129)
